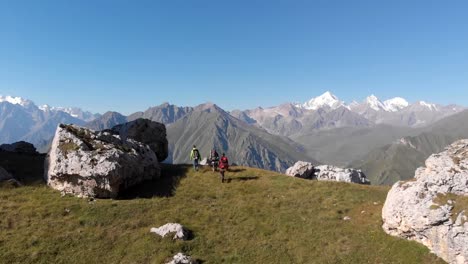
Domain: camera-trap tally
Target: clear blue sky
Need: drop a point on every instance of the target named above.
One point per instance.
(128, 55)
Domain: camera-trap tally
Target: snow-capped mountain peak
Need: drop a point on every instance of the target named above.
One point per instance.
(431, 107)
(27, 104)
(14, 100)
(326, 99)
(373, 102)
(45, 108)
(395, 104)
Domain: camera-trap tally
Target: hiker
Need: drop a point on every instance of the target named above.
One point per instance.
(214, 158)
(223, 166)
(195, 156)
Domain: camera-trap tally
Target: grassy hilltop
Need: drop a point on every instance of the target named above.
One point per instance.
(257, 217)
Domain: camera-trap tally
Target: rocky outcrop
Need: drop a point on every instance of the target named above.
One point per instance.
(332, 173)
(432, 209)
(171, 228)
(19, 147)
(4, 175)
(148, 132)
(306, 170)
(86, 163)
(181, 258)
(301, 169)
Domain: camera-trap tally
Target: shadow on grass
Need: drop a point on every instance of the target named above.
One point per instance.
(245, 178)
(162, 187)
(236, 170)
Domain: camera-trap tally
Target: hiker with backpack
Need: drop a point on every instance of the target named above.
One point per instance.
(214, 158)
(223, 166)
(195, 156)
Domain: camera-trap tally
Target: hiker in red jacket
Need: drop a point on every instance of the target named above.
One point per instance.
(223, 166)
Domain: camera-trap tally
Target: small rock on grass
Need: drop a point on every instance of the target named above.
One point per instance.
(180, 232)
(181, 258)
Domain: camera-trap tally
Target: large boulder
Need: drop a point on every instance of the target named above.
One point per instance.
(301, 169)
(432, 208)
(86, 163)
(148, 132)
(306, 170)
(19, 147)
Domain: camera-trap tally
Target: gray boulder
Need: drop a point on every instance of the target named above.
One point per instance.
(306, 170)
(301, 169)
(432, 208)
(148, 132)
(19, 147)
(171, 228)
(86, 163)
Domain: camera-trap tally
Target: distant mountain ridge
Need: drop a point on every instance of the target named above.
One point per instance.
(208, 126)
(327, 111)
(21, 119)
(324, 129)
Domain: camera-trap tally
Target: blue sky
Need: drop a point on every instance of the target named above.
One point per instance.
(129, 55)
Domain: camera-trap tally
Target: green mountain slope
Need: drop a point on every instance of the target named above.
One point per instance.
(341, 145)
(209, 126)
(257, 217)
(399, 160)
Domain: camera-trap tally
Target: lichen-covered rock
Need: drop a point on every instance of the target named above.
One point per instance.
(306, 170)
(171, 228)
(19, 147)
(86, 163)
(432, 208)
(181, 258)
(148, 132)
(301, 169)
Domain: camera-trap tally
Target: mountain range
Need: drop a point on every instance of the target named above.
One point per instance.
(372, 135)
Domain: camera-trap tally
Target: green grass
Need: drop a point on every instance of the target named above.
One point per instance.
(257, 217)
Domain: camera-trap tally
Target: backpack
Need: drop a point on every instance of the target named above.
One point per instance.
(214, 155)
(224, 163)
(196, 154)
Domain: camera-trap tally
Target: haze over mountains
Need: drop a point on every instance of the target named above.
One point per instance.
(373, 135)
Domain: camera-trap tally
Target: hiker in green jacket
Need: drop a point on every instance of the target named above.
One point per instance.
(195, 156)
